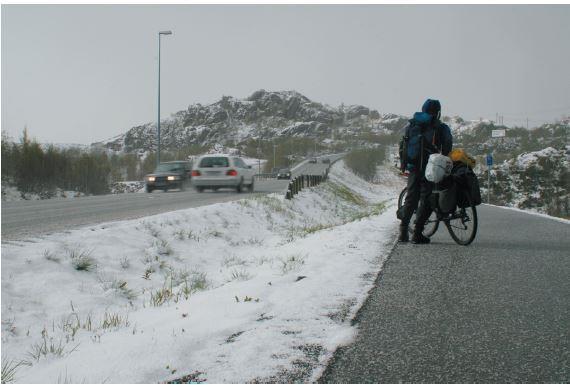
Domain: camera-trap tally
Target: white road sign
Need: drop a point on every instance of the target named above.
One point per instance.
(497, 133)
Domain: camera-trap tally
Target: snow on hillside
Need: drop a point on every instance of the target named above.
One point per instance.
(261, 289)
(537, 181)
(459, 126)
(526, 160)
(65, 146)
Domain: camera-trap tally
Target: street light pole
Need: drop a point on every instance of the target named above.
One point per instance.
(274, 147)
(158, 120)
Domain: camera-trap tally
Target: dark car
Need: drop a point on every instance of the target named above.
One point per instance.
(313, 160)
(284, 173)
(169, 175)
(325, 160)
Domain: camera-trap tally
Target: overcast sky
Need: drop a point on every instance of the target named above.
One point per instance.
(79, 74)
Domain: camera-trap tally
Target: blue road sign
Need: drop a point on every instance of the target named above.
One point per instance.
(489, 160)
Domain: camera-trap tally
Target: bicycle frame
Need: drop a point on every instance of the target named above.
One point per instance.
(449, 219)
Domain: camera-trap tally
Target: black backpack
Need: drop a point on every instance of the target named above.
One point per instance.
(414, 147)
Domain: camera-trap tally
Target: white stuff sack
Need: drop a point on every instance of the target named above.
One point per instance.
(438, 167)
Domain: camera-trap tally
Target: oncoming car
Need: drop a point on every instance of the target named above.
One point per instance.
(169, 175)
(217, 171)
(284, 173)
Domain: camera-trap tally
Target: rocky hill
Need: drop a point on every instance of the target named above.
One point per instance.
(263, 115)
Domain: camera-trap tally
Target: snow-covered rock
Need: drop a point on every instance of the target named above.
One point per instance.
(537, 180)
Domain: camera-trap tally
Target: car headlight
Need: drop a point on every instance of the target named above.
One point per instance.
(173, 177)
(150, 178)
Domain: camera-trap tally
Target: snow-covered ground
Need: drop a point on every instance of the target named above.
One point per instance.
(261, 289)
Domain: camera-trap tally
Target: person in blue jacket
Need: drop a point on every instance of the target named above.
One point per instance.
(425, 134)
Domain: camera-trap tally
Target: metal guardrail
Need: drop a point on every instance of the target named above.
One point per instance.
(300, 182)
(265, 176)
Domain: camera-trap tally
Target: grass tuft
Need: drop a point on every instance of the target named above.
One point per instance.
(233, 260)
(198, 281)
(51, 256)
(307, 230)
(292, 263)
(120, 287)
(346, 194)
(153, 231)
(247, 242)
(179, 234)
(193, 236)
(148, 272)
(272, 203)
(81, 259)
(114, 320)
(215, 233)
(160, 296)
(48, 347)
(10, 368)
(125, 263)
(163, 247)
(240, 275)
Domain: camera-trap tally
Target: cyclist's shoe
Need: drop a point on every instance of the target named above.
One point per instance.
(419, 238)
(404, 237)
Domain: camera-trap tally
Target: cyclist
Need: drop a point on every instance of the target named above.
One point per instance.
(424, 135)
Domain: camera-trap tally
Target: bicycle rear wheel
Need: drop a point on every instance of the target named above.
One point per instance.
(462, 224)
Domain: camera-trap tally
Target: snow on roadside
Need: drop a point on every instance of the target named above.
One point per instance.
(261, 289)
(11, 193)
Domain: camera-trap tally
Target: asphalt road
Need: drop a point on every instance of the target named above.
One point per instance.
(497, 311)
(24, 219)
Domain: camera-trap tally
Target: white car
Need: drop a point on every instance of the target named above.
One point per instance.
(217, 171)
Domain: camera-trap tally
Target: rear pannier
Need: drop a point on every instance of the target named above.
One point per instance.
(466, 180)
(447, 195)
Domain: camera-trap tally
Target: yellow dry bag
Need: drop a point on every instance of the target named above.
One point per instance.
(460, 155)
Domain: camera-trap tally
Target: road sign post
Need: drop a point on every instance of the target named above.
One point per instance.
(498, 133)
(489, 165)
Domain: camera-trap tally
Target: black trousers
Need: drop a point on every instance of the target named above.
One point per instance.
(419, 190)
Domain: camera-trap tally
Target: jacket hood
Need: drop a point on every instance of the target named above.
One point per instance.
(432, 107)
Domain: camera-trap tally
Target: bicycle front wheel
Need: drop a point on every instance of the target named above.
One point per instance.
(431, 225)
(462, 224)
(402, 197)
